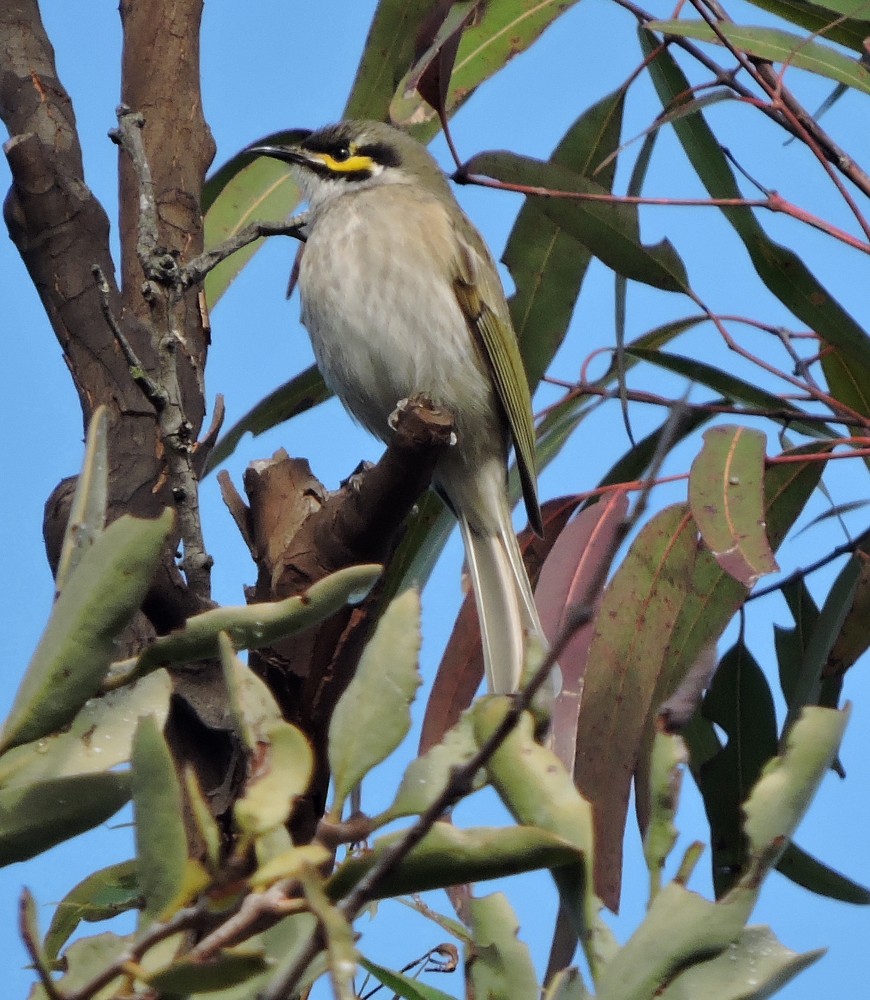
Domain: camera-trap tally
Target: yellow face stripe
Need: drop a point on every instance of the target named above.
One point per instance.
(352, 165)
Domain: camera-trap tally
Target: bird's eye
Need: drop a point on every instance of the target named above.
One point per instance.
(341, 154)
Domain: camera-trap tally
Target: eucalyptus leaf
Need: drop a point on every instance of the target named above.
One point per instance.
(36, 816)
(76, 647)
(372, 717)
(87, 516)
(498, 962)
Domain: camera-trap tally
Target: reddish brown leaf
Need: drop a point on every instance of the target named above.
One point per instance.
(666, 601)
(726, 497)
(573, 575)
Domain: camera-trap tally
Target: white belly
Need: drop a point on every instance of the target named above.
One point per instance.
(387, 325)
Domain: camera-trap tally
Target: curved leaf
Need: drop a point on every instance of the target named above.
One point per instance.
(609, 229)
(499, 963)
(726, 497)
(817, 18)
(450, 856)
(97, 604)
(37, 816)
(364, 729)
(777, 46)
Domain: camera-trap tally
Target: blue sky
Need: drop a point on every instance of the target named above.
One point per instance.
(273, 66)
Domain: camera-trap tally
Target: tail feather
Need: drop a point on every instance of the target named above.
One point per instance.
(505, 604)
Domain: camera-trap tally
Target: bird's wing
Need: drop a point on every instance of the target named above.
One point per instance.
(480, 300)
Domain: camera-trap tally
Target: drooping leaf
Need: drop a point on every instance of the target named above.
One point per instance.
(99, 896)
(501, 31)
(499, 964)
(167, 877)
(567, 579)
(734, 388)
(726, 497)
(364, 729)
(76, 647)
(387, 54)
(783, 272)
(83, 960)
(36, 816)
(546, 263)
(817, 19)
(806, 687)
(87, 516)
(667, 601)
(776, 45)
(854, 636)
(740, 703)
(807, 871)
(609, 230)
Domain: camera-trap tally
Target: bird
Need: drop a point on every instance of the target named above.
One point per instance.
(401, 297)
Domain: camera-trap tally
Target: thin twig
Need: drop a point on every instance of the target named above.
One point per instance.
(195, 270)
(846, 548)
(25, 901)
(150, 389)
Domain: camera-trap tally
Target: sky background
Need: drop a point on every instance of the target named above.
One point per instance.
(273, 66)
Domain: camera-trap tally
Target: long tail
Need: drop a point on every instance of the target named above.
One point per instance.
(505, 603)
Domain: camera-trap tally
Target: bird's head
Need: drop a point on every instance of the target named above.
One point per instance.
(352, 156)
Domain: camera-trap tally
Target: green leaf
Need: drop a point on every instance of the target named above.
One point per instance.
(99, 738)
(450, 856)
(75, 650)
(752, 967)
(816, 18)
(740, 703)
(87, 516)
(787, 785)
(167, 877)
(254, 625)
(100, 896)
(301, 393)
(402, 985)
(805, 870)
(247, 188)
(227, 969)
(567, 984)
(37, 816)
(502, 30)
(732, 387)
(668, 757)
(726, 497)
(783, 273)
(538, 791)
(776, 45)
(83, 960)
(499, 964)
(428, 776)
(680, 929)
(387, 54)
(547, 264)
(807, 681)
(610, 230)
(364, 729)
(282, 772)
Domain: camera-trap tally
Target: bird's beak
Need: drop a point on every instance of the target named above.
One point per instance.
(286, 152)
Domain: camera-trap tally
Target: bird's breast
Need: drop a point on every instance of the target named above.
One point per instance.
(379, 305)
